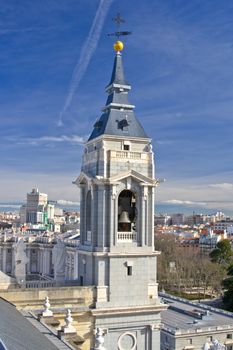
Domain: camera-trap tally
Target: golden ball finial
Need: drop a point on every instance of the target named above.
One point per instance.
(118, 46)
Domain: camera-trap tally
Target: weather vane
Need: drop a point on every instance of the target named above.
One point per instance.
(118, 46)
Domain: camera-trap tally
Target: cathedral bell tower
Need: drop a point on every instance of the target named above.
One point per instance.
(116, 252)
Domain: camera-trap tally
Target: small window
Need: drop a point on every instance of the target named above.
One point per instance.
(190, 341)
(229, 336)
(81, 281)
(126, 147)
(129, 270)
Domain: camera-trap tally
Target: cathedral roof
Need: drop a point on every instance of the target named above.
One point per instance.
(118, 118)
(19, 333)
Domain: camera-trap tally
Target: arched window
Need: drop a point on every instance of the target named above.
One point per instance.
(127, 211)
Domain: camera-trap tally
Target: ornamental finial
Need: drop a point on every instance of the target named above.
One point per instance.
(118, 45)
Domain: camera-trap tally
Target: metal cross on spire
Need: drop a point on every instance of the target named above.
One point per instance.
(119, 20)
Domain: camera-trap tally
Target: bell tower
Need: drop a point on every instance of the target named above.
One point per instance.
(116, 252)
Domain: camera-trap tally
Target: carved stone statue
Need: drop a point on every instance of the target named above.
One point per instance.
(217, 345)
(20, 261)
(99, 339)
(58, 258)
(206, 346)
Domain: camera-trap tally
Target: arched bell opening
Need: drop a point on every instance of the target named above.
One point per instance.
(126, 211)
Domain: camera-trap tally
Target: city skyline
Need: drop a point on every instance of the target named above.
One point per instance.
(179, 63)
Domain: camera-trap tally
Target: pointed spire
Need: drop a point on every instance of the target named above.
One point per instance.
(118, 76)
(118, 116)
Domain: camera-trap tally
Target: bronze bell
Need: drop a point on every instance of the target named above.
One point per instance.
(124, 223)
(124, 218)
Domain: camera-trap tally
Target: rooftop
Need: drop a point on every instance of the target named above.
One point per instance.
(21, 331)
(183, 316)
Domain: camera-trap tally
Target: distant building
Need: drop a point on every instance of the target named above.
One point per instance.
(208, 242)
(23, 214)
(38, 210)
(177, 219)
(35, 207)
(224, 225)
(162, 219)
(195, 219)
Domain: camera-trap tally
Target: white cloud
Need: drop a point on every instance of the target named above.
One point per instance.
(197, 192)
(223, 186)
(182, 202)
(13, 206)
(62, 138)
(66, 202)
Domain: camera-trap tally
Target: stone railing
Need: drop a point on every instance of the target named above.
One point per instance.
(71, 242)
(126, 236)
(40, 284)
(45, 240)
(128, 155)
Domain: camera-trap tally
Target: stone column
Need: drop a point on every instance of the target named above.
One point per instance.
(112, 217)
(4, 252)
(95, 217)
(76, 264)
(82, 212)
(46, 261)
(155, 336)
(101, 216)
(152, 210)
(142, 215)
(40, 260)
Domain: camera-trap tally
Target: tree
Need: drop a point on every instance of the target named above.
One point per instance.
(185, 269)
(222, 254)
(228, 285)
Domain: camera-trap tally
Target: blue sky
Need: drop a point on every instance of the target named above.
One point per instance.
(179, 61)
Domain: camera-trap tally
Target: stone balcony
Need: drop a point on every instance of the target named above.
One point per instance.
(126, 155)
(125, 237)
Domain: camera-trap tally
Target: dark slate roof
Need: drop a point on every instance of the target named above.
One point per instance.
(16, 333)
(2, 346)
(117, 97)
(118, 118)
(110, 123)
(118, 76)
